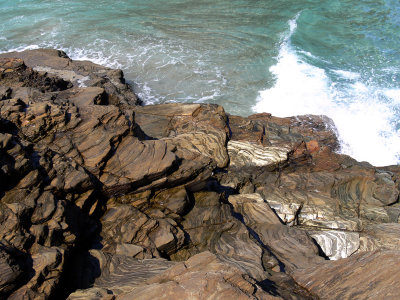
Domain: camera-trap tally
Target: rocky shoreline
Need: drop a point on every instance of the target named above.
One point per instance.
(102, 198)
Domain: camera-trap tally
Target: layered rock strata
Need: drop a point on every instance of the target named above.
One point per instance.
(101, 198)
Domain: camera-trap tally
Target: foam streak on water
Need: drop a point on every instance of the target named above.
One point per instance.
(363, 115)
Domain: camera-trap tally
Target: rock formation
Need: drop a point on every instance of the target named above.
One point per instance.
(102, 198)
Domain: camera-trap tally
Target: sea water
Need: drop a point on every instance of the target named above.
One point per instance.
(339, 58)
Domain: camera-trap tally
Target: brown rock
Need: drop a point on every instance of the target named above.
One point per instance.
(364, 275)
(195, 130)
(47, 266)
(81, 166)
(135, 161)
(203, 276)
(174, 200)
(124, 224)
(11, 272)
(210, 226)
(380, 236)
(80, 73)
(293, 247)
(115, 274)
(14, 73)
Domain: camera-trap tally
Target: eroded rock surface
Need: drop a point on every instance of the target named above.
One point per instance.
(57, 64)
(362, 276)
(101, 198)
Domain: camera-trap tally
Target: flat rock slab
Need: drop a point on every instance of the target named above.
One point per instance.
(168, 110)
(370, 275)
(80, 73)
(203, 276)
(43, 57)
(253, 209)
(134, 161)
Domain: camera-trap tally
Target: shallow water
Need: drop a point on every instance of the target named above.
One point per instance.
(339, 58)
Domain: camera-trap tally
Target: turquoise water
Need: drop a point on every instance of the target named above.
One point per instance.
(339, 58)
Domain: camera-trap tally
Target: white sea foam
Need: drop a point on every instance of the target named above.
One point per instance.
(96, 56)
(363, 120)
(21, 48)
(393, 94)
(347, 74)
(208, 97)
